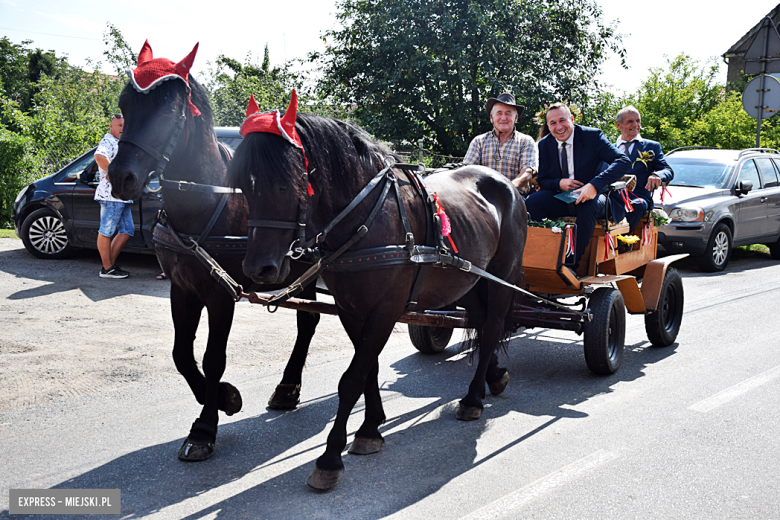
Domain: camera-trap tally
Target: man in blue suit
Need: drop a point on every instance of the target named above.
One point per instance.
(570, 158)
(650, 172)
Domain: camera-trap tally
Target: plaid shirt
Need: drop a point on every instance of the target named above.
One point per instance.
(511, 158)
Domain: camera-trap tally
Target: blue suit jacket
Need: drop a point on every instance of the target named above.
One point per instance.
(591, 149)
(658, 166)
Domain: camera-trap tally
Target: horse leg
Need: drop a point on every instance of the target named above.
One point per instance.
(488, 336)
(288, 392)
(186, 316)
(372, 335)
(368, 440)
(496, 376)
(199, 444)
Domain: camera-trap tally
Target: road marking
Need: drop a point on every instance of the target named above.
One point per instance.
(735, 391)
(509, 505)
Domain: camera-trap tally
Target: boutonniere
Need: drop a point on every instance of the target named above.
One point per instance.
(644, 158)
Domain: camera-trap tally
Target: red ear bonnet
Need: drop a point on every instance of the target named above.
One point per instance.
(150, 72)
(272, 123)
(145, 54)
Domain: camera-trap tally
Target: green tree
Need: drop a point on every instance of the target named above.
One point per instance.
(417, 68)
(672, 101)
(118, 52)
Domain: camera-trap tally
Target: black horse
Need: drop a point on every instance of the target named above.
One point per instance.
(161, 118)
(488, 220)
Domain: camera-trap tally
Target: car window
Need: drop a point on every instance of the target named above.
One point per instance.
(231, 142)
(699, 172)
(769, 173)
(749, 172)
(72, 172)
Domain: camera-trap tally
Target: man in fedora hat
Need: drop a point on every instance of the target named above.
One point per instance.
(504, 149)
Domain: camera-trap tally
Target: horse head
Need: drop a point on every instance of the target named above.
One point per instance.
(269, 167)
(159, 116)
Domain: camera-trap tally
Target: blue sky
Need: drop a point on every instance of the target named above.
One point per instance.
(293, 28)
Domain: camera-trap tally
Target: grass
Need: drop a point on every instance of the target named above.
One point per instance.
(758, 248)
(7, 233)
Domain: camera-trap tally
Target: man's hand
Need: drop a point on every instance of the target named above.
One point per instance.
(586, 193)
(522, 181)
(570, 184)
(653, 182)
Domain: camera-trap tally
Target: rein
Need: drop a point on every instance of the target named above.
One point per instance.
(389, 256)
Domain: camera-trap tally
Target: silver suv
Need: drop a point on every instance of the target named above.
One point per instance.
(721, 199)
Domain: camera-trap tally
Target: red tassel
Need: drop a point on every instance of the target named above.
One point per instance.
(310, 191)
(664, 190)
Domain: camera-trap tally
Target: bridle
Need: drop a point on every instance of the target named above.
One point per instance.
(161, 156)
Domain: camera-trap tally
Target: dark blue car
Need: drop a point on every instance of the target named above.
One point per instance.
(58, 213)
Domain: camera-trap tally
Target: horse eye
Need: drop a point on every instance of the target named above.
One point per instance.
(283, 187)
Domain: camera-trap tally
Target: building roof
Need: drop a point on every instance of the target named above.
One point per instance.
(739, 48)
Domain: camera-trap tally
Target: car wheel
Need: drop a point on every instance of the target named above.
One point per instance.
(774, 250)
(663, 324)
(44, 236)
(429, 340)
(718, 252)
(605, 335)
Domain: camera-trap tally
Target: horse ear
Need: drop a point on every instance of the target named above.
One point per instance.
(184, 66)
(252, 108)
(145, 54)
(289, 117)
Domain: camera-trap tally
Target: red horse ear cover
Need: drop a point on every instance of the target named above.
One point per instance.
(252, 108)
(272, 123)
(184, 66)
(145, 54)
(151, 72)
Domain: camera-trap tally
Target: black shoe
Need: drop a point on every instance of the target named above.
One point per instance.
(113, 272)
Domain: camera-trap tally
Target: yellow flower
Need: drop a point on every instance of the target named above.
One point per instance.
(644, 158)
(628, 239)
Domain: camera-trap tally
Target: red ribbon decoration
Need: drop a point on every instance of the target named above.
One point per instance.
(446, 228)
(647, 235)
(664, 190)
(570, 240)
(624, 194)
(609, 245)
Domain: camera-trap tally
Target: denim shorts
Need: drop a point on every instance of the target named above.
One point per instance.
(115, 216)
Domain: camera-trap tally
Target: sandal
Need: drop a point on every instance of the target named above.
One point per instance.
(162, 276)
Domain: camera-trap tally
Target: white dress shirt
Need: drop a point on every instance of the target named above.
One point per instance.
(621, 144)
(569, 143)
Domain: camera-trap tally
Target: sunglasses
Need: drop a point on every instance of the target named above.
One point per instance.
(116, 116)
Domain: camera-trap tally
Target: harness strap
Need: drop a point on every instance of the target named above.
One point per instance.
(214, 217)
(320, 238)
(194, 186)
(313, 272)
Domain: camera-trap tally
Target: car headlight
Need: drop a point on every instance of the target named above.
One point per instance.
(21, 193)
(684, 214)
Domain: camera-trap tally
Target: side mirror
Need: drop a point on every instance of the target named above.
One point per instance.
(744, 187)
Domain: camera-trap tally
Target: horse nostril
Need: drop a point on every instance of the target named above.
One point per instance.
(268, 272)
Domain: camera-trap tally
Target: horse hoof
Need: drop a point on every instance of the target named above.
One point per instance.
(365, 446)
(496, 387)
(468, 413)
(193, 451)
(230, 399)
(286, 397)
(323, 480)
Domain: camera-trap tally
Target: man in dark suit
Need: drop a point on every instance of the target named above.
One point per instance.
(648, 164)
(570, 158)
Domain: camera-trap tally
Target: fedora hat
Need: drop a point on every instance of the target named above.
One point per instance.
(505, 98)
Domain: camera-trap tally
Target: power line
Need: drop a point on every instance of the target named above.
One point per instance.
(51, 34)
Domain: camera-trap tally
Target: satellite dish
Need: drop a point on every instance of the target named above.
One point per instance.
(751, 97)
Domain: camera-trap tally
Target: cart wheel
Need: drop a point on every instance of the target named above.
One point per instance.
(663, 324)
(429, 340)
(605, 336)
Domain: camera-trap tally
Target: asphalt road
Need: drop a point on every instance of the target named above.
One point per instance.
(688, 431)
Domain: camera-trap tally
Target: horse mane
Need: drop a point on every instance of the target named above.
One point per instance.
(342, 156)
